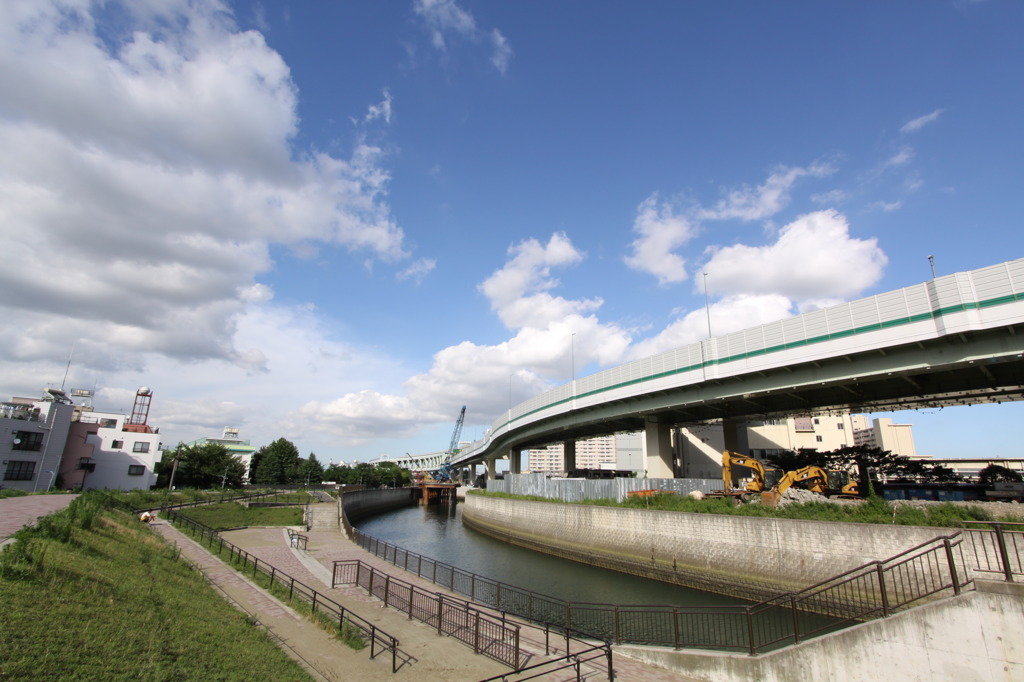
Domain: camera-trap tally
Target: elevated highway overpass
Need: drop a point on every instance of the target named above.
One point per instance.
(954, 340)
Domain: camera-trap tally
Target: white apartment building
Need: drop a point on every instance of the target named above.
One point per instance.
(236, 446)
(109, 450)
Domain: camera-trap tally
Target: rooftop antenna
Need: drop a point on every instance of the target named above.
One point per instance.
(68, 368)
(931, 262)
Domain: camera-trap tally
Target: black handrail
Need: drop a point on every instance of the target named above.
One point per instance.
(873, 590)
(296, 588)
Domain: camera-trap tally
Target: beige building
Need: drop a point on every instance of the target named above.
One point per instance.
(882, 433)
(699, 447)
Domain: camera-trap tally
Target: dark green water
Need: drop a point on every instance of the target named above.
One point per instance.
(436, 531)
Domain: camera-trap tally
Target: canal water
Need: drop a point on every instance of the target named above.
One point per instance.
(436, 531)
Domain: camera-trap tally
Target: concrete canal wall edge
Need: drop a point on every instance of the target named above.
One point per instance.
(973, 637)
(748, 557)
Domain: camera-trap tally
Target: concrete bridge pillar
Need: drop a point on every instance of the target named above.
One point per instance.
(492, 468)
(569, 455)
(734, 432)
(515, 461)
(658, 443)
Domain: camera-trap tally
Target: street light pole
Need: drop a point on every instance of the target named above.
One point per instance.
(707, 304)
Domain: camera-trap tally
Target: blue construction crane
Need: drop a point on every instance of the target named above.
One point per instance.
(444, 474)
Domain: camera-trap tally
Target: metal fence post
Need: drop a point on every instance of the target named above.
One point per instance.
(750, 632)
(796, 620)
(952, 566)
(1004, 556)
(476, 632)
(881, 587)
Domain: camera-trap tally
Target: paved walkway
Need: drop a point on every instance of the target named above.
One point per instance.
(18, 512)
(425, 655)
(434, 657)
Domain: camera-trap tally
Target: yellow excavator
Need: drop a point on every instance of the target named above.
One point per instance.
(810, 478)
(765, 477)
(772, 482)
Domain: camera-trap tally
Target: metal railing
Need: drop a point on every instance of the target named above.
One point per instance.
(490, 634)
(997, 551)
(495, 638)
(380, 641)
(297, 540)
(874, 590)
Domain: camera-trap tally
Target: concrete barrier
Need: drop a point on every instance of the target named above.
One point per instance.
(973, 637)
(747, 557)
(362, 503)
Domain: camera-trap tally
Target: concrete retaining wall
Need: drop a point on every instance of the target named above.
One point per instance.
(973, 637)
(751, 558)
(362, 503)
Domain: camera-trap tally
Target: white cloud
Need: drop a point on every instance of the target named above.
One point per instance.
(381, 110)
(921, 121)
(900, 158)
(813, 258)
(887, 206)
(418, 270)
(145, 176)
(757, 203)
(661, 231)
(831, 198)
(730, 314)
(502, 51)
(446, 20)
(518, 291)
(552, 337)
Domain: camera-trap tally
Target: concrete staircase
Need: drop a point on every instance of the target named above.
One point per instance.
(323, 517)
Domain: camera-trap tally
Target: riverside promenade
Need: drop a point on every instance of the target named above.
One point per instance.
(424, 655)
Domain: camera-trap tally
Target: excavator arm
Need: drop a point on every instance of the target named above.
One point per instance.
(761, 473)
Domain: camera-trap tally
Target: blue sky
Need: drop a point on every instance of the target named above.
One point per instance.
(340, 222)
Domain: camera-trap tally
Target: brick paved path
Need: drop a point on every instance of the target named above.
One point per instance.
(18, 512)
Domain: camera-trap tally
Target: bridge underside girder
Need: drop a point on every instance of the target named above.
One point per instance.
(987, 367)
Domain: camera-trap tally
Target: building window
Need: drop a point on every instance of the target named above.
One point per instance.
(19, 471)
(117, 444)
(803, 424)
(31, 441)
(840, 425)
(140, 446)
(136, 469)
(818, 438)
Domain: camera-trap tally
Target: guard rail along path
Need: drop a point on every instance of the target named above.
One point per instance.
(380, 641)
(935, 569)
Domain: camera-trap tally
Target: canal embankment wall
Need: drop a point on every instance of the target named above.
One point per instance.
(358, 504)
(747, 557)
(971, 637)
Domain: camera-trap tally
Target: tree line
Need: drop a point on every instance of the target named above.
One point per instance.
(211, 465)
(875, 465)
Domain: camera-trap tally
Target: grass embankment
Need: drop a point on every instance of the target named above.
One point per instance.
(872, 510)
(235, 515)
(91, 593)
